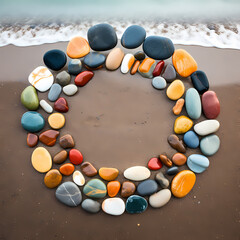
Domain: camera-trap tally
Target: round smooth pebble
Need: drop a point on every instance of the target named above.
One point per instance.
(88, 169)
(108, 174)
(154, 164)
(70, 89)
(162, 180)
(46, 106)
(140, 55)
(182, 124)
(55, 59)
(74, 66)
(175, 143)
(94, 60)
(41, 160)
(63, 78)
(32, 121)
(136, 204)
(54, 92)
(29, 98)
(198, 163)
(66, 141)
(52, 178)
(113, 188)
(78, 178)
(69, 194)
(128, 189)
(209, 145)
(160, 198)
(173, 171)
(137, 173)
(210, 104)
(193, 103)
(114, 59)
(67, 169)
(78, 47)
(200, 81)
(60, 157)
(159, 83)
(95, 188)
(179, 159)
(158, 69)
(191, 139)
(127, 63)
(91, 206)
(147, 187)
(56, 120)
(175, 90)
(113, 206)
(75, 156)
(147, 67)
(206, 127)
(83, 78)
(32, 140)
(169, 73)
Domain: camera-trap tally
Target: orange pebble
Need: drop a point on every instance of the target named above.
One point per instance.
(135, 67)
(67, 169)
(108, 174)
(146, 65)
(178, 106)
(113, 188)
(78, 47)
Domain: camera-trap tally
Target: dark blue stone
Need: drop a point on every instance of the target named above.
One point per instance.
(147, 187)
(159, 48)
(102, 37)
(172, 171)
(55, 59)
(75, 66)
(136, 204)
(191, 139)
(133, 37)
(94, 60)
(200, 81)
(32, 121)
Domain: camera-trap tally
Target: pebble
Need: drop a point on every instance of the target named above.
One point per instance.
(78, 47)
(127, 63)
(78, 178)
(191, 139)
(70, 89)
(135, 67)
(74, 66)
(49, 137)
(209, 145)
(147, 187)
(69, 194)
(32, 121)
(160, 198)
(88, 169)
(52, 178)
(140, 55)
(83, 78)
(175, 143)
(169, 73)
(56, 120)
(102, 37)
(55, 59)
(172, 171)
(113, 188)
(193, 103)
(61, 105)
(136, 204)
(158, 69)
(114, 59)
(159, 83)
(179, 159)
(32, 140)
(177, 109)
(41, 78)
(108, 174)
(183, 183)
(182, 124)
(94, 60)
(200, 81)
(54, 92)
(41, 160)
(210, 104)
(46, 106)
(128, 189)
(133, 36)
(67, 169)
(113, 206)
(165, 160)
(137, 173)
(95, 188)
(197, 163)
(162, 180)
(60, 157)
(75, 156)
(158, 47)
(175, 90)
(146, 67)
(206, 127)
(154, 164)
(66, 141)
(63, 78)
(29, 98)
(91, 206)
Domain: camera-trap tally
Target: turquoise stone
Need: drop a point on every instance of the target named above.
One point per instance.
(29, 98)
(136, 204)
(32, 121)
(193, 103)
(95, 188)
(197, 163)
(209, 145)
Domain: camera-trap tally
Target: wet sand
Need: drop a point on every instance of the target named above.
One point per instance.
(118, 121)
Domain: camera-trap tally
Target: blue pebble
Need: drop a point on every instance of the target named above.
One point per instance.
(197, 163)
(191, 139)
(159, 83)
(55, 59)
(147, 187)
(136, 204)
(209, 145)
(54, 92)
(200, 81)
(32, 121)
(75, 66)
(173, 170)
(94, 60)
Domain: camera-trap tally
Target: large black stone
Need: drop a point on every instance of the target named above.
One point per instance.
(94, 60)
(147, 187)
(55, 59)
(200, 81)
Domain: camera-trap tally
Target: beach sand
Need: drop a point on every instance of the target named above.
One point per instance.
(118, 121)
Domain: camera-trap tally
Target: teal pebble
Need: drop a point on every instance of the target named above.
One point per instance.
(197, 163)
(209, 145)
(29, 98)
(95, 188)
(136, 204)
(159, 83)
(32, 121)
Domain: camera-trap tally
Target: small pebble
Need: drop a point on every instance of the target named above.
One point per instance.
(32, 140)
(94, 60)
(159, 83)
(29, 98)
(83, 78)
(66, 141)
(63, 78)
(95, 188)
(146, 67)
(108, 174)
(210, 105)
(182, 124)
(139, 55)
(78, 47)
(154, 164)
(74, 66)
(198, 163)
(135, 67)
(137, 173)
(179, 159)
(61, 105)
(191, 139)
(160, 198)
(113, 206)
(88, 169)
(128, 189)
(158, 69)
(49, 137)
(56, 120)
(169, 73)
(165, 160)
(172, 171)
(75, 156)
(46, 106)
(209, 145)
(177, 109)
(136, 204)
(147, 187)
(32, 121)
(175, 143)
(52, 178)
(78, 178)
(114, 59)
(60, 157)
(54, 92)
(70, 89)
(206, 127)
(162, 180)
(113, 188)
(67, 169)
(91, 206)
(127, 63)
(175, 90)
(200, 81)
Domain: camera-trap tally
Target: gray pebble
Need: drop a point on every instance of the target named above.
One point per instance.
(162, 180)
(54, 92)
(169, 73)
(91, 206)
(63, 78)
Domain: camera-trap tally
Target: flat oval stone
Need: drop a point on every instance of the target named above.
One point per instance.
(108, 174)
(206, 127)
(32, 121)
(165, 160)
(175, 90)
(69, 194)
(175, 143)
(70, 89)
(74, 66)
(200, 81)
(147, 187)
(184, 63)
(137, 173)
(133, 36)
(169, 73)
(160, 198)
(46, 106)
(78, 178)
(209, 145)
(193, 103)
(55, 59)
(179, 159)
(182, 124)
(91, 206)
(159, 83)
(88, 169)
(52, 178)
(94, 60)
(128, 189)
(114, 59)
(127, 63)
(102, 37)
(32, 140)
(158, 47)
(49, 137)
(78, 47)
(154, 164)
(29, 98)
(197, 163)
(113, 206)
(60, 157)
(56, 120)
(135, 67)
(146, 67)
(173, 171)
(183, 183)
(83, 78)
(162, 180)
(210, 104)
(177, 109)
(158, 69)
(66, 141)
(113, 188)
(67, 169)
(75, 156)
(63, 78)
(41, 160)
(191, 139)
(41, 78)
(136, 204)
(95, 188)
(140, 55)
(54, 92)
(61, 105)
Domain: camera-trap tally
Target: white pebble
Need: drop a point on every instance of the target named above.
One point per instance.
(46, 106)
(113, 206)
(160, 198)
(70, 89)
(127, 62)
(78, 178)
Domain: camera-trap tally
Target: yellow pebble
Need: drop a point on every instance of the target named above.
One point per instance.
(56, 120)
(175, 90)
(182, 124)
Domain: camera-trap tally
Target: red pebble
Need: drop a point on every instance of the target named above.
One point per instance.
(210, 104)
(61, 105)
(154, 164)
(32, 140)
(158, 69)
(75, 157)
(83, 78)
